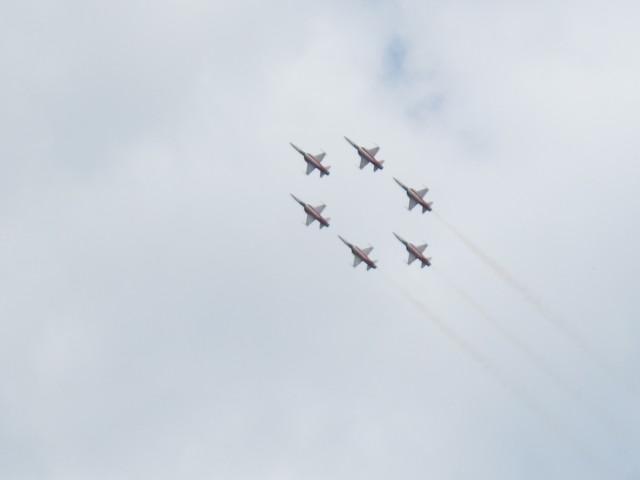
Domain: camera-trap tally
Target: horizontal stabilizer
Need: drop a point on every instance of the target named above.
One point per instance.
(426, 264)
(322, 225)
(322, 174)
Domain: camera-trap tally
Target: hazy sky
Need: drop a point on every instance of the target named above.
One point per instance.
(166, 314)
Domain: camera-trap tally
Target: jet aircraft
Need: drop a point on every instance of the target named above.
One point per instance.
(416, 196)
(313, 161)
(367, 155)
(313, 213)
(415, 252)
(360, 255)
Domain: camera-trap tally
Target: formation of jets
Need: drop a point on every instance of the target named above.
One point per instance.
(367, 156)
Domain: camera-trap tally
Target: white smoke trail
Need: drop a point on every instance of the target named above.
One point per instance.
(536, 360)
(544, 311)
(500, 377)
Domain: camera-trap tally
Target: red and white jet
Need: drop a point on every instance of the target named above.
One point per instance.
(313, 213)
(415, 252)
(313, 161)
(360, 255)
(367, 155)
(416, 196)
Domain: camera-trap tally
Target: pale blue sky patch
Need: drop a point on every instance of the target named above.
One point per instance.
(395, 58)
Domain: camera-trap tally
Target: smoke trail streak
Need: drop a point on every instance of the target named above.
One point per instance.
(479, 358)
(535, 359)
(543, 310)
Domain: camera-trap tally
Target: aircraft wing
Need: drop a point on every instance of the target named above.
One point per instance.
(356, 260)
(412, 257)
(319, 208)
(363, 162)
(422, 192)
(310, 219)
(319, 156)
(422, 247)
(309, 168)
(367, 250)
(373, 151)
(412, 203)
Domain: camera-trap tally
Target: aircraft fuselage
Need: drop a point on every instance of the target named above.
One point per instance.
(412, 194)
(364, 153)
(411, 248)
(311, 160)
(363, 256)
(315, 214)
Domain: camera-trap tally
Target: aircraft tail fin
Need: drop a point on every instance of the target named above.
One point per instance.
(426, 264)
(369, 267)
(322, 225)
(322, 174)
(381, 162)
(424, 209)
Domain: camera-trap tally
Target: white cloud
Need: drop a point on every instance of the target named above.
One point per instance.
(165, 312)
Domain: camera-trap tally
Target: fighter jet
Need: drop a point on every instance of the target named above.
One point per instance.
(313, 213)
(313, 161)
(415, 252)
(416, 196)
(360, 255)
(367, 155)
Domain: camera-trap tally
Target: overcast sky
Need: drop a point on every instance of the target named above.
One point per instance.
(165, 313)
